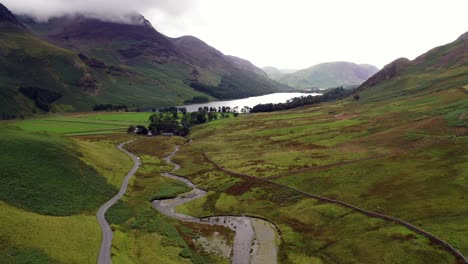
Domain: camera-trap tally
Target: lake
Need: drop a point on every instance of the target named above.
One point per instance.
(250, 101)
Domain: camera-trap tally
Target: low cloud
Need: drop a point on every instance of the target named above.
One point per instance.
(109, 10)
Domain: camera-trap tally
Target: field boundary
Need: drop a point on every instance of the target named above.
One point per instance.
(458, 255)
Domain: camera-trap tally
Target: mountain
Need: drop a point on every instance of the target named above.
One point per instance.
(245, 65)
(326, 75)
(440, 69)
(173, 69)
(7, 16)
(35, 74)
(73, 63)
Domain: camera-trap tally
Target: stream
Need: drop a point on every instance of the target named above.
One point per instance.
(255, 240)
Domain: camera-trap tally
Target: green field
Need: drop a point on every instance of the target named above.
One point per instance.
(84, 124)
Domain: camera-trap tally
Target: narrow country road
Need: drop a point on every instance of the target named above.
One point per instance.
(255, 239)
(106, 242)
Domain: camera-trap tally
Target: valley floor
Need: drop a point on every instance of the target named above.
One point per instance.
(406, 158)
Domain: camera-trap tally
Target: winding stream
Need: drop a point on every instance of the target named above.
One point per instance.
(255, 240)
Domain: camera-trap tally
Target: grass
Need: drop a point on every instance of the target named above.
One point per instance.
(140, 118)
(310, 231)
(84, 124)
(103, 156)
(68, 239)
(42, 173)
(51, 188)
(335, 150)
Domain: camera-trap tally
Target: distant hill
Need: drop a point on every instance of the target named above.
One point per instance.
(81, 62)
(325, 75)
(275, 73)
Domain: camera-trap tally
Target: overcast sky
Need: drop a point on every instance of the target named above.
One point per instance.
(295, 33)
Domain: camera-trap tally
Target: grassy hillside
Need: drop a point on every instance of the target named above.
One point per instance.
(42, 186)
(51, 189)
(326, 75)
(137, 66)
(29, 62)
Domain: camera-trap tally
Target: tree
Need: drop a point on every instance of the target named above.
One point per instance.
(142, 130)
(131, 129)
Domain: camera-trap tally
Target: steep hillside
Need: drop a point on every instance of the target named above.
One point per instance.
(442, 68)
(326, 75)
(245, 65)
(74, 63)
(35, 75)
(160, 70)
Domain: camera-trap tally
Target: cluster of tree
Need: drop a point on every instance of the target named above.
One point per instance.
(170, 121)
(225, 109)
(330, 95)
(197, 100)
(171, 109)
(110, 107)
(139, 130)
(220, 109)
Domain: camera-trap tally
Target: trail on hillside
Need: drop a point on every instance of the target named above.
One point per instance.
(255, 239)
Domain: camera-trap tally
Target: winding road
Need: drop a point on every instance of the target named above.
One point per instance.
(106, 242)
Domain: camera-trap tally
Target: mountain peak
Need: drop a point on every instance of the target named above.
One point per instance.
(7, 16)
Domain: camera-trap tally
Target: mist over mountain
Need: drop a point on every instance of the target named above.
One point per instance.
(122, 11)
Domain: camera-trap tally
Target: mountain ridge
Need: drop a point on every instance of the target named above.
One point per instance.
(104, 62)
(446, 58)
